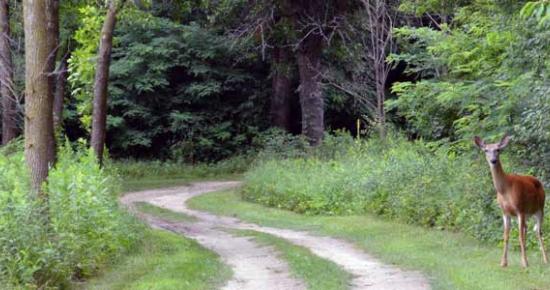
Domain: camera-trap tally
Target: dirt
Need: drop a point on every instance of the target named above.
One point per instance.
(257, 267)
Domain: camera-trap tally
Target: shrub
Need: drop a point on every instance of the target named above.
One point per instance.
(396, 179)
(84, 227)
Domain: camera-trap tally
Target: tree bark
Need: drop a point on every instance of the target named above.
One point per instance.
(59, 94)
(99, 116)
(282, 89)
(9, 127)
(380, 101)
(311, 95)
(52, 18)
(38, 96)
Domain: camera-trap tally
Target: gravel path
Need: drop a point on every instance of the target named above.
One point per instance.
(257, 267)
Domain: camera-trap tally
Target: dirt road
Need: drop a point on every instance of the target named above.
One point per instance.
(259, 267)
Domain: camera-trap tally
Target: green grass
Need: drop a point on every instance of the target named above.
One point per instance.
(450, 260)
(162, 213)
(318, 273)
(141, 175)
(165, 262)
(137, 184)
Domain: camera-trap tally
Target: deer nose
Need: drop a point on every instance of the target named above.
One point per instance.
(494, 161)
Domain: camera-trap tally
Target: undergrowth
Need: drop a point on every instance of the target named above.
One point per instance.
(397, 179)
(78, 229)
(134, 169)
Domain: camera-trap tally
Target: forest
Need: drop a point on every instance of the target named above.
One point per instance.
(167, 144)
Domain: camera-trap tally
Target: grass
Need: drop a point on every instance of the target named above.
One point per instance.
(303, 264)
(139, 183)
(450, 260)
(318, 273)
(162, 213)
(141, 175)
(165, 262)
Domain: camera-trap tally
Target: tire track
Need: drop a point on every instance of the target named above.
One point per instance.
(367, 271)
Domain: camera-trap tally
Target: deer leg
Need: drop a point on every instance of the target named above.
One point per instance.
(538, 229)
(507, 222)
(521, 223)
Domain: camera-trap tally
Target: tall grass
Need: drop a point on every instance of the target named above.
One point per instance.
(396, 179)
(135, 169)
(81, 228)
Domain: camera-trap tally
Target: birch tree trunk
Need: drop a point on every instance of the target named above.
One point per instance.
(38, 96)
(99, 115)
(9, 127)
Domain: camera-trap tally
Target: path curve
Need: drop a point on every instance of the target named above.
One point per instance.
(367, 271)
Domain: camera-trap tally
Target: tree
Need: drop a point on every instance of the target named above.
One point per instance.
(9, 102)
(38, 95)
(59, 93)
(52, 18)
(378, 43)
(311, 94)
(309, 27)
(316, 24)
(99, 115)
(281, 95)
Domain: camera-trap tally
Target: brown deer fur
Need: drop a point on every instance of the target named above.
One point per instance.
(518, 196)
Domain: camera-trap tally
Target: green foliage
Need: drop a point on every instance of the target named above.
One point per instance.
(539, 10)
(83, 230)
(396, 179)
(132, 169)
(437, 7)
(485, 73)
(83, 60)
(181, 91)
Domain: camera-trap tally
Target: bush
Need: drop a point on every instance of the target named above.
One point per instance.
(397, 179)
(84, 227)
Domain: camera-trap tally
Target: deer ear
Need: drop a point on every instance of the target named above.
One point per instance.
(479, 142)
(504, 142)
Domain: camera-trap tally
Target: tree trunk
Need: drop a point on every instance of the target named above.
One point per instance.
(311, 95)
(52, 18)
(9, 128)
(380, 80)
(282, 89)
(99, 116)
(59, 95)
(380, 100)
(38, 97)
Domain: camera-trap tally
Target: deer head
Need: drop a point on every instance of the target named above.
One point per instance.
(492, 151)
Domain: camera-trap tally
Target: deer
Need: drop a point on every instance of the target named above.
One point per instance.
(520, 196)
